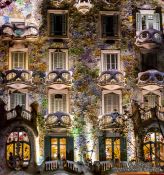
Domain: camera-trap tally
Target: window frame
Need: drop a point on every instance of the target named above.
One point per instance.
(117, 92)
(64, 92)
(23, 142)
(143, 12)
(113, 146)
(50, 58)
(157, 92)
(58, 12)
(11, 50)
(58, 146)
(104, 52)
(109, 13)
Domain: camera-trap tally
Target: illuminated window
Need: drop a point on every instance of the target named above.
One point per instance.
(18, 149)
(154, 148)
(113, 148)
(58, 148)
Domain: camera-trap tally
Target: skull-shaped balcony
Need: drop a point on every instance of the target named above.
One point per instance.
(58, 121)
(111, 121)
(149, 39)
(152, 115)
(18, 31)
(151, 80)
(58, 79)
(16, 78)
(111, 79)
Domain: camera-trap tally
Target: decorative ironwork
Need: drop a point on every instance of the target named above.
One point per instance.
(19, 30)
(83, 6)
(58, 119)
(149, 39)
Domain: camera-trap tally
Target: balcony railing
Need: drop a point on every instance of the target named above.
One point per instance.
(111, 79)
(149, 39)
(58, 120)
(151, 79)
(59, 78)
(19, 30)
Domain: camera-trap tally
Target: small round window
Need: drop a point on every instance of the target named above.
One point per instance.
(18, 150)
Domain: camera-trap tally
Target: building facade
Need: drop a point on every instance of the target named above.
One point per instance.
(81, 81)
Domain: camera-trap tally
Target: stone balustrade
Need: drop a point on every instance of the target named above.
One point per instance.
(58, 119)
(51, 165)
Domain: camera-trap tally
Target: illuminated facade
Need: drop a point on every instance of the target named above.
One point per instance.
(81, 81)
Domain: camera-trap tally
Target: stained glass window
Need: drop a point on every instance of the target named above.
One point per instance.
(154, 148)
(18, 149)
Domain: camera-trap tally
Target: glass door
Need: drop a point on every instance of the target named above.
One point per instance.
(58, 148)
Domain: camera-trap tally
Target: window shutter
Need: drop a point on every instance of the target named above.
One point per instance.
(12, 101)
(105, 66)
(64, 24)
(47, 148)
(52, 100)
(111, 102)
(63, 58)
(156, 22)
(115, 25)
(18, 60)
(123, 149)
(70, 149)
(23, 100)
(115, 102)
(102, 149)
(64, 103)
(104, 23)
(138, 22)
(52, 23)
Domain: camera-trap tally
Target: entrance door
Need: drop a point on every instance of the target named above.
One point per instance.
(58, 148)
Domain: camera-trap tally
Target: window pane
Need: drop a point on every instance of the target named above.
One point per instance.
(18, 60)
(117, 148)
(10, 149)
(62, 151)
(63, 141)
(110, 61)
(26, 151)
(54, 152)
(54, 141)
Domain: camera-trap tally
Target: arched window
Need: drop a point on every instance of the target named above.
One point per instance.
(18, 149)
(154, 147)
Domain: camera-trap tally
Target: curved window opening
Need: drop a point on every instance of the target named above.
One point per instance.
(154, 148)
(18, 150)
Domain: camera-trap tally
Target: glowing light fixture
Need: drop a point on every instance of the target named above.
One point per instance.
(83, 6)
